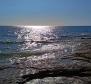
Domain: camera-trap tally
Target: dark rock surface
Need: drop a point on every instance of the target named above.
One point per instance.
(54, 66)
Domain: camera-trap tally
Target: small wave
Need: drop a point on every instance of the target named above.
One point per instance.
(12, 42)
(22, 42)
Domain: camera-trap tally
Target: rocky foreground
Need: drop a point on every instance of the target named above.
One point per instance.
(50, 67)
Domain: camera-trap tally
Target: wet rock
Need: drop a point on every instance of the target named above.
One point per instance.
(56, 66)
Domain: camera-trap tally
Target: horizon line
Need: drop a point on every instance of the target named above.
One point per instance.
(45, 25)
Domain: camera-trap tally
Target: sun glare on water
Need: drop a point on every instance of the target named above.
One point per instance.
(33, 27)
(36, 33)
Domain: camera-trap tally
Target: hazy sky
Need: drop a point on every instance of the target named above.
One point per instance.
(45, 12)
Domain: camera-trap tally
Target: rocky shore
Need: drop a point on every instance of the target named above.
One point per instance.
(51, 67)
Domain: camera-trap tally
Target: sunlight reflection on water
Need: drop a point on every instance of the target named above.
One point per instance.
(32, 34)
(42, 41)
(41, 47)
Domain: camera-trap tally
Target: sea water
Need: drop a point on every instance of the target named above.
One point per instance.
(17, 42)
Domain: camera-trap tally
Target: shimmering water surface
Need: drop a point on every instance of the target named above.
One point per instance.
(18, 39)
(31, 39)
(40, 43)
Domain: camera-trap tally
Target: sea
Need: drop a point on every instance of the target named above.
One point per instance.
(17, 42)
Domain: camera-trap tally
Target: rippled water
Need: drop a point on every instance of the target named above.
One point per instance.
(18, 39)
(40, 42)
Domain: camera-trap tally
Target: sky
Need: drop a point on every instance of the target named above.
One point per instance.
(45, 12)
